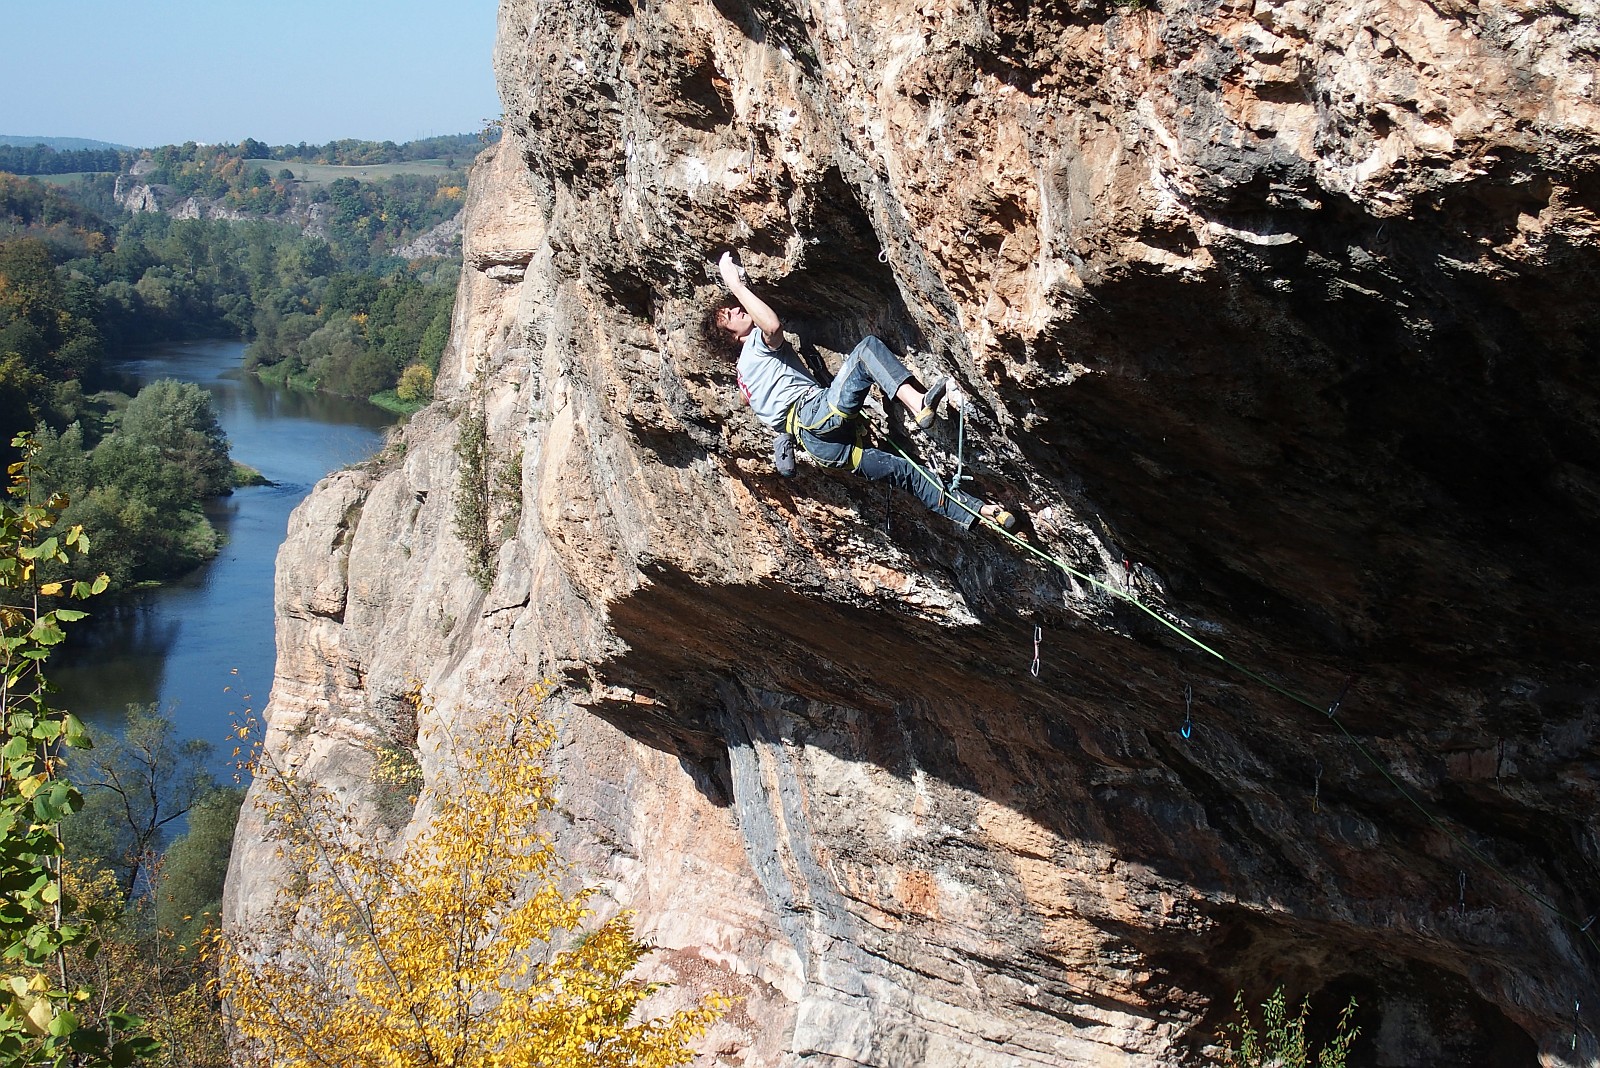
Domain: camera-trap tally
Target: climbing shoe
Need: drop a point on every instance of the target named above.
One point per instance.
(930, 403)
(997, 517)
(783, 454)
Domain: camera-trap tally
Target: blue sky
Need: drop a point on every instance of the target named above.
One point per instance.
(152, 72)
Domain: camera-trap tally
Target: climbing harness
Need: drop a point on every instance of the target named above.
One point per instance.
(1330, 712)
(850, 460)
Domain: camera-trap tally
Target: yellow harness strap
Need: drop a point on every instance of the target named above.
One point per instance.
(793, 425)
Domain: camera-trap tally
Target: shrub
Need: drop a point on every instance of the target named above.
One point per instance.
(415, 385)
(1281, 1042)
(464, 945)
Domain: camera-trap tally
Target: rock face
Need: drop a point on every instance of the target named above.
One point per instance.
(1287, 305)
(443, 240)
(139, 197)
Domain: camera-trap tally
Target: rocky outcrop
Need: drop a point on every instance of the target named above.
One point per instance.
(1287, 305)
(309, 215)
(441, 241)
(138, 197)
(135, 197)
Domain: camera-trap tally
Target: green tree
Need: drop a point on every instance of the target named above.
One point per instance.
(189, 893)
(138, 491)
(137, 967)
(151, 937)
(41, 1022)
(178, 420)
(136, 784)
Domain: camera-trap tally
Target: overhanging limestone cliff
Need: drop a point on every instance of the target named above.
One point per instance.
(1289, 305)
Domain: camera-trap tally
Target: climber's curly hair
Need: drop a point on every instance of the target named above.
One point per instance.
(712, 334)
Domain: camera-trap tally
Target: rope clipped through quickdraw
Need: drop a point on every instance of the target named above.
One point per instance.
(961, 446)
(1328, 711)
(1333, 709)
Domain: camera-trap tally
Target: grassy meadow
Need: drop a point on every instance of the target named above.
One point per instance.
(324, 173)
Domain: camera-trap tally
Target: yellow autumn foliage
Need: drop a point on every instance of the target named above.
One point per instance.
(137, 968)
(463, 946)
(416, 384)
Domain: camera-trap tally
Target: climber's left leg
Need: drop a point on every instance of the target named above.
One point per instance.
(884, 467)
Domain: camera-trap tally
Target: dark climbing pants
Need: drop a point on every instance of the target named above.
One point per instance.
(827, 426)
(881, 466)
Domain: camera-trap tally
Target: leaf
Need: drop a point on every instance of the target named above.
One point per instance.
(45, 550)
(50, 589)
(74, 733)
(36, 1017)
(45, 632)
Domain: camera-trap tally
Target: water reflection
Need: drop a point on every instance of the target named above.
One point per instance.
(204, 646)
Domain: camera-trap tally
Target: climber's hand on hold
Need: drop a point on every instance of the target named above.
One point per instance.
(733, 275)
(761, 312)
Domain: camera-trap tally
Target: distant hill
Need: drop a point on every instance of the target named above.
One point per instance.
(60, 144)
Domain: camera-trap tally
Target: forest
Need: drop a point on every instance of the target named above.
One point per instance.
(349, 152)
(335, 310)
(42, 159)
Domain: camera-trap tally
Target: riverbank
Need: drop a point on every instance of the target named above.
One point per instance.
(245, 475)
(278, 375)
(202, 646)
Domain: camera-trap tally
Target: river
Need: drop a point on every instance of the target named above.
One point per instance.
(203, 646)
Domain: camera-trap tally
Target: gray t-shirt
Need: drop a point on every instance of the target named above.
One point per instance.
(771, 378)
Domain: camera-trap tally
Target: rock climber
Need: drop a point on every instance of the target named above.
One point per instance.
(786, 398)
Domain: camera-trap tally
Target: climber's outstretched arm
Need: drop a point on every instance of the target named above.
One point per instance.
(761, 312)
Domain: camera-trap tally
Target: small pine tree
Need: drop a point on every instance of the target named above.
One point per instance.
(461, 949)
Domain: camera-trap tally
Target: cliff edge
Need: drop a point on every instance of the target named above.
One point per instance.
(1275, 316)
